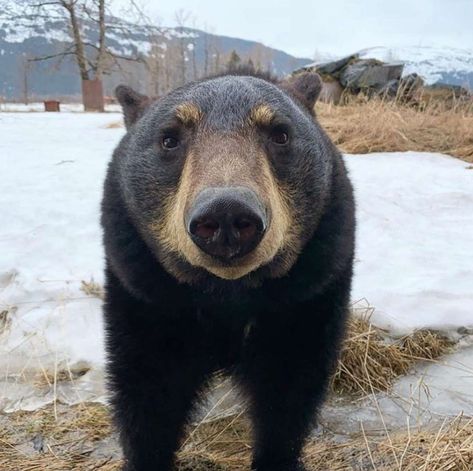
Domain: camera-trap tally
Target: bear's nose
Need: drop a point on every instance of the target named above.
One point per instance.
(227, 223)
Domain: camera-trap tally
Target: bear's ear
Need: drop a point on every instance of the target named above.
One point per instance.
(306, 87)
(133, 104)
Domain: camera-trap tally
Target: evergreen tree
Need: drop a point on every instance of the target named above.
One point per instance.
(233, 62)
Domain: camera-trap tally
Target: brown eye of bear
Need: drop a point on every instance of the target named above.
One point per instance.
(279, 137)
(170, 142)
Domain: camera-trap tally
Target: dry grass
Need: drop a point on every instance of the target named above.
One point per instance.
(61, 374)
(92, 288)
(114, 125)
(362, 126)
(63, 438)
(54, 438)
(371, 362)
(67, 443)
(446, 447)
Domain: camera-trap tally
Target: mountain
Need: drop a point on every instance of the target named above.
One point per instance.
(24, 37)
(435, 64)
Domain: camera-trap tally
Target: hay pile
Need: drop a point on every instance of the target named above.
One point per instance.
(362, 126)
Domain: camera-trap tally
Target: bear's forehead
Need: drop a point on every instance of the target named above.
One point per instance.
(227, 101)
(241, 90)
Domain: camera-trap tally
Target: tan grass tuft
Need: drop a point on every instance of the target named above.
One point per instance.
(114, 125)
(63, 373)
(92, 288)
(370, 361)
(362, 126)
(448, 447)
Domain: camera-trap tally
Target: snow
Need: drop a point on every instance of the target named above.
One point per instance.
(52, 168)
(413, 260)
(428, 61)
(39, 106)
(124, 37)
(25, 26)
(415, 230)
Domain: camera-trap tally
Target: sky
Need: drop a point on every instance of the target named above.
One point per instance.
(304, 28)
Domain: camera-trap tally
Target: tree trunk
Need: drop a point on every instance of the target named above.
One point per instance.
(79, 45)
(101, 54)
(92, 95)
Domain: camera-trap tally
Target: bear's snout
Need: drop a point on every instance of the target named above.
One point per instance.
(227, 222)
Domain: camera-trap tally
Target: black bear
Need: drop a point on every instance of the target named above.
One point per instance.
(228, 223)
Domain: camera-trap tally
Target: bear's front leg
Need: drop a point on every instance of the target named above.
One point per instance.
(155, 371)
(287, 364)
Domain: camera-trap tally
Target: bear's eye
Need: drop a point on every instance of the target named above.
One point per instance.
(279, 137)
(170, 142)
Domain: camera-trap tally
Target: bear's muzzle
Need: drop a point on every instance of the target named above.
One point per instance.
(227, 222)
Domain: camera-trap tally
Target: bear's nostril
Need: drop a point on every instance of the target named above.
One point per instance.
(245, 228)
(205, 228)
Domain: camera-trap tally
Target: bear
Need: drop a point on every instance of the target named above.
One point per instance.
(228, 222)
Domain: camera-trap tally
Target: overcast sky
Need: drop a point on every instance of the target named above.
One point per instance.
(302, 27)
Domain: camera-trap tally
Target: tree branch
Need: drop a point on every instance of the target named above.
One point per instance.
(52, 56)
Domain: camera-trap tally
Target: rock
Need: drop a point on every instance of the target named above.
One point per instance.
(334, 67)
(389, 89)
(370, 73)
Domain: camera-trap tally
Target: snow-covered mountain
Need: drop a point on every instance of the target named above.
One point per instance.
(25, 36)
(434, 64)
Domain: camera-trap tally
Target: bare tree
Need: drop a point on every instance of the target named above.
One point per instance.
(182, 18)
(24, 67)
(93, 58)
(216, 55)
(206, 50)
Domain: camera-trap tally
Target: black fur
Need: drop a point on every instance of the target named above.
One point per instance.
(278, 337)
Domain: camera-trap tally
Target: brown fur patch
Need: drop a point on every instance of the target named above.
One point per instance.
(221, 162)
(188, 113)
(261, 115)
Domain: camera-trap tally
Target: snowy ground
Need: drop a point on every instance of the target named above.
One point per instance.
(414, 261)
(39, 107)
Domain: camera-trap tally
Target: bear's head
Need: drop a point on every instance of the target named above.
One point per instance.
(227, 176)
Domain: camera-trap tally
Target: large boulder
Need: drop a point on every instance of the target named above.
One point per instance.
(333, 68)
(369, 73)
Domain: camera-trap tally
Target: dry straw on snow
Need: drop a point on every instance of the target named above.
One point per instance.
(62, 438)
(92, 288)
(70, 442)
(370, 362)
